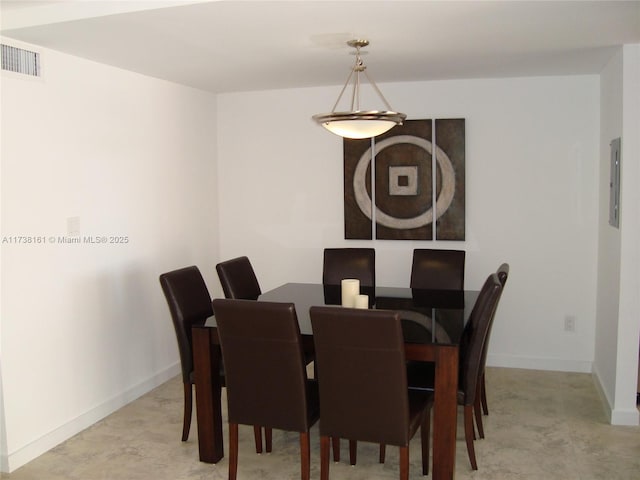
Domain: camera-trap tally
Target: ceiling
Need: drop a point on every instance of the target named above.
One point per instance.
(227, 46)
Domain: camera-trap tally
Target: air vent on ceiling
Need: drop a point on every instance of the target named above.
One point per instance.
(21, 61)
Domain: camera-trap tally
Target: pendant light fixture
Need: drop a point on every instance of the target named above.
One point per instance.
(359, 123)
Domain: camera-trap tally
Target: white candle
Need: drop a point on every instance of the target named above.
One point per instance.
(362, 301)
(350, 288)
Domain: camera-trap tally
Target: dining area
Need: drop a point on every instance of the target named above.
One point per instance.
(402, 359)
(194, 177)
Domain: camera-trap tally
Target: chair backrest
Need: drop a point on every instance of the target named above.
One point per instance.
(475, 335)
(362, 374)
(238, 279)
(438, 269)
(503, 273)
(265, 373)
(339, 263)
(190, 304)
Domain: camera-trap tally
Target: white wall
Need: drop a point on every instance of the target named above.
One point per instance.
(625, 411)
(85, 328)
(609, 237)
(618, 307)
(532, 153)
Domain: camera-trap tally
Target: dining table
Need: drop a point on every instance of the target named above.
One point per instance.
(432, 324)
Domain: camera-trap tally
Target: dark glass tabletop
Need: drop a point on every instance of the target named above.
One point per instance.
(428, 316)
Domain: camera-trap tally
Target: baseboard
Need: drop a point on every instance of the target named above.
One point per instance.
(23, 455)
(629, 417)
(604, 398)
(538, 363)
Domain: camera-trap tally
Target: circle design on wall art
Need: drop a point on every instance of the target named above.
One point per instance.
(425, 218)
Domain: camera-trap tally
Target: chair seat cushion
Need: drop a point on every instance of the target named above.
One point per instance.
(421, 377)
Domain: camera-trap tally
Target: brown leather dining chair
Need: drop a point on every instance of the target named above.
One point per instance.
(363, 383)
(339, 263)
(503, 275)
(437, 269)
(267, 384)
(190, 304)
(238, 279)
(421, 375)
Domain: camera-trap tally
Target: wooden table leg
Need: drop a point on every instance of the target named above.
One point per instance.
(206, 369)
(445, 410)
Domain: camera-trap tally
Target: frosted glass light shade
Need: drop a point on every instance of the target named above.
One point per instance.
(359, 124)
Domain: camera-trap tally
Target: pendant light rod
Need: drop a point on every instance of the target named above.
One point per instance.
(359, 67)
(346, 84)
(373, 84)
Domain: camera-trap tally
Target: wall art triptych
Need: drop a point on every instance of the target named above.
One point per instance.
(415, 166)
